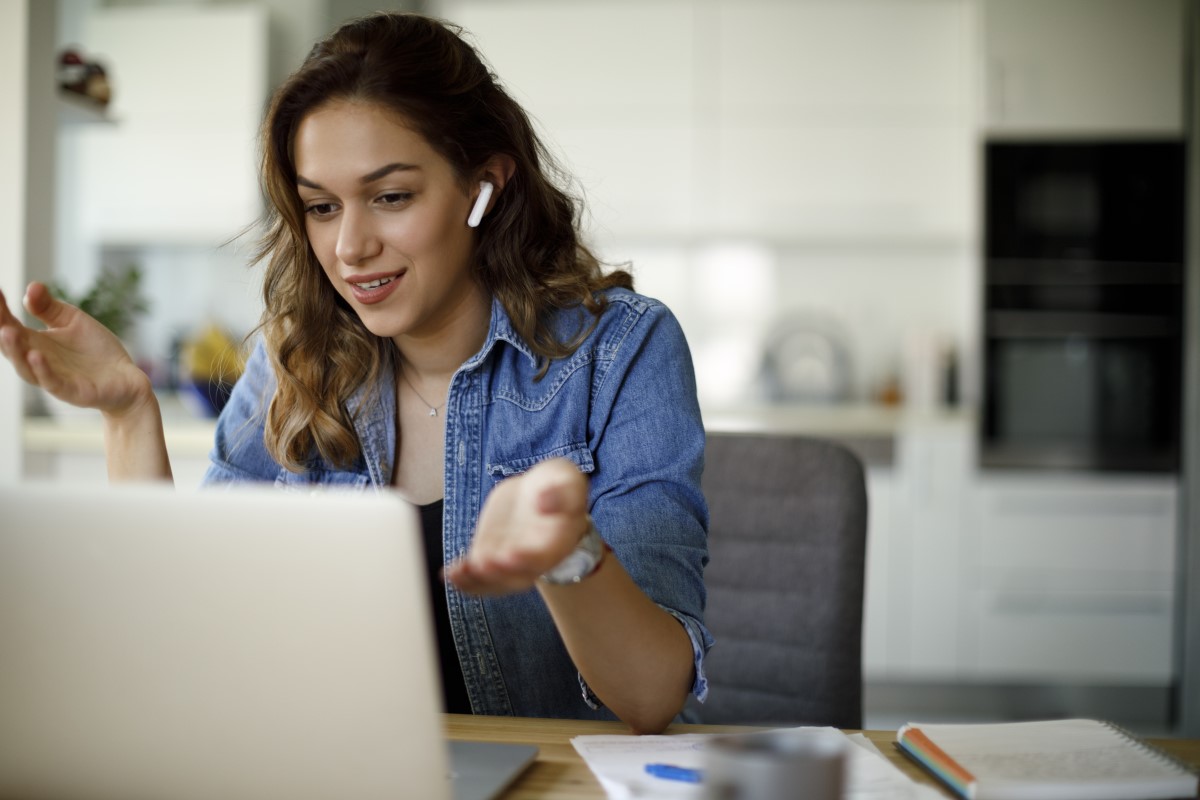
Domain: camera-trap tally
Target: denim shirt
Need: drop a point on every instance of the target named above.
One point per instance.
(622, 408)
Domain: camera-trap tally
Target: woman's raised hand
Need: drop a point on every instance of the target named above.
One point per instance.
(75, 358)
(528, 524)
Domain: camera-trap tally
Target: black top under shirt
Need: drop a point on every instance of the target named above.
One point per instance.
(454, 688)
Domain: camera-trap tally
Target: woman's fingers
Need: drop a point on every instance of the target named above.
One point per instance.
(488, 577)
(10, 328)
(556, 487)
(528, 524)
(45, 306)
(15, 337)
(6, 316)
(13, 346)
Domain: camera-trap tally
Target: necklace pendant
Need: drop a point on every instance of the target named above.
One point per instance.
(433, 412)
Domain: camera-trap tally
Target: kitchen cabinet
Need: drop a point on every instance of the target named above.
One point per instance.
(882, 618)
(70, 449)
(189, 86)
(915, 541)
(792, 122)
(1014, 577)
(1072, 578)
(79, 468)
(842, 121)
(1084, 67)
(936, 463)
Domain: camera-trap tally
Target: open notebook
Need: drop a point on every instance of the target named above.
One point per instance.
(1072, 759)
(243, 643)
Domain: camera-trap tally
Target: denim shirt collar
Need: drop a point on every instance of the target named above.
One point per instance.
(375, 422)
(500, 329)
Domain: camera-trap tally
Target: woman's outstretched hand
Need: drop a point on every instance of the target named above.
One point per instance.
(528, 524)
(75, 358)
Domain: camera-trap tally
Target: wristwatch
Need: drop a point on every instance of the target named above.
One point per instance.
(580, 562)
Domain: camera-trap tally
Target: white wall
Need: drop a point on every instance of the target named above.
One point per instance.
(14, 15)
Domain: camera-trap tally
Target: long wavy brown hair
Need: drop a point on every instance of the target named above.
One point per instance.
(529, 253)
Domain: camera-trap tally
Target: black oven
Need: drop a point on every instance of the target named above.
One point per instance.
(1083, 305)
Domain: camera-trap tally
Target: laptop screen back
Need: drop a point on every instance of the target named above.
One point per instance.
(243, 643)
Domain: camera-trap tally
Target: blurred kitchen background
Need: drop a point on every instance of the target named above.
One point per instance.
(950, 233)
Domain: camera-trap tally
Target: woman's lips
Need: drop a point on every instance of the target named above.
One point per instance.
(374, 290)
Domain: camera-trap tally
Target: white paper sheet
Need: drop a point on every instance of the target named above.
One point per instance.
(619, 763)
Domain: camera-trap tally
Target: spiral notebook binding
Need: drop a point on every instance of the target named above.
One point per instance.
(1153, 750)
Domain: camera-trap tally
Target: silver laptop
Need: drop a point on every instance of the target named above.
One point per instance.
(242, 643)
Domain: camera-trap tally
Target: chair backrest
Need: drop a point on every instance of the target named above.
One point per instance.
(787, 544)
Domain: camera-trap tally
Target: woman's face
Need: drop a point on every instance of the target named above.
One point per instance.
(386, 217)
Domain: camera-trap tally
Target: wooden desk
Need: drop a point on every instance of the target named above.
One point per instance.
(561, 774)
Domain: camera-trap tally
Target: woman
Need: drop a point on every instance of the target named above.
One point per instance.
(432, 323)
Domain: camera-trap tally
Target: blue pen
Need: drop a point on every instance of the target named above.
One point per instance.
(671, 772)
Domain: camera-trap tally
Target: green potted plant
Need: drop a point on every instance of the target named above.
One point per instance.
(115, 299)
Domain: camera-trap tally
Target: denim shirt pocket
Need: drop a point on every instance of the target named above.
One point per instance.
(578, 454)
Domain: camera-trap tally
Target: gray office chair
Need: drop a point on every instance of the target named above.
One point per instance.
(787, 546)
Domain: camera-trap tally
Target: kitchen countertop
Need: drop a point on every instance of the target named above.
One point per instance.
(869, 430)
(85, 435)
(80, 431)
(862, 420)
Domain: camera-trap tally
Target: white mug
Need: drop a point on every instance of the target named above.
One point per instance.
(775, 765)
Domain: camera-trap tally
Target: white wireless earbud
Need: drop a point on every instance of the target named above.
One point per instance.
(485, 194)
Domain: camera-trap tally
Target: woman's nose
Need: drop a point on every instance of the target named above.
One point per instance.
(357, 239)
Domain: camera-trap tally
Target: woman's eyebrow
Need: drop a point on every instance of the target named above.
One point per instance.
(370, 177)
(387, 169)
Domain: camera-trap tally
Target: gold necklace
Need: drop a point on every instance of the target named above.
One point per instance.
(432, 409)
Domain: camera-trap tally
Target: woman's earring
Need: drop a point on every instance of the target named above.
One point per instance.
(485, 194)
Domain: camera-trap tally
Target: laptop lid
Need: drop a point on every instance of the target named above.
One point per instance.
(242, 643)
